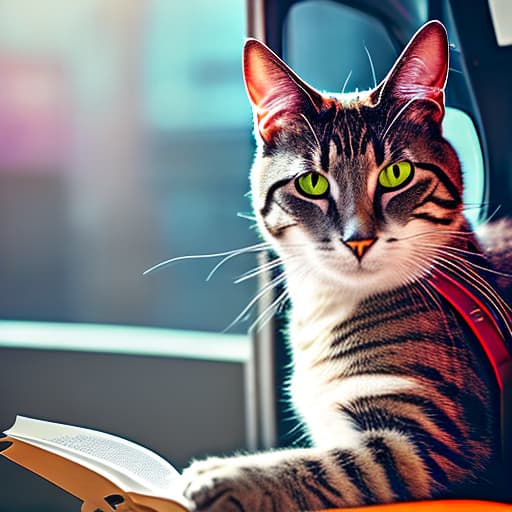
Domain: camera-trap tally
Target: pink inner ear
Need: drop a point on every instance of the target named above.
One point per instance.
(273, 89)
(255, 73)
(269, 85)
(422, 68)
(424, 72)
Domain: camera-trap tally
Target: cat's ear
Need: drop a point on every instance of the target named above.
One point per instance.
(421, 70)
(274, 90)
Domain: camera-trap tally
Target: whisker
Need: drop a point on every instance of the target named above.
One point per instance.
(480, 283)
(491, 216)
(461, 234)
(372, 68)
(453, 248)
(423, 285)
(468, 208)
(259, 270)
(477, 203)
(272, 308)
(454, 252)
(219, 264)
(433, 244)
(400, 112)
(234, 252)
(225, 260)
(453, 70)
(275, 282)
(282, 305)
(298, 426)
(413, 290)
(312, 131)
(345, 83)
(268, 312)
(432, 292)
(246, 216)
(487, 291)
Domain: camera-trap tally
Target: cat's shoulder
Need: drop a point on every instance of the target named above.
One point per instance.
(495, 240)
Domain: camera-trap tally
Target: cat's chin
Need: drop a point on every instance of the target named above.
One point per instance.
(364, 282)
(353, 280)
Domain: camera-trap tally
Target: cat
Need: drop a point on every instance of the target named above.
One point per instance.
(361, 197)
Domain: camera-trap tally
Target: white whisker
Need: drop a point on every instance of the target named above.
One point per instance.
(488, 292)
(312, 131)
(400, 112)
(460, 234)
(423, 286)
(266, 289)
(246, 216)
(345, 83)
(455, 251)
(221, 262)
(234, 252)
(268, 312)
(256, 271)
(372, 68)
(491, 216)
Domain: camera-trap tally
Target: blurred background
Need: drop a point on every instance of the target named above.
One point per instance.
(125, 139)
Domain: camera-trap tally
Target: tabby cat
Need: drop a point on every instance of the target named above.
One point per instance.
(361, 197)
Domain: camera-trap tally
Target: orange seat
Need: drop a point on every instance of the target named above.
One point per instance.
(434, 506)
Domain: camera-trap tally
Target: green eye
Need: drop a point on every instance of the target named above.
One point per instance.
(396, 175)
(312, 185)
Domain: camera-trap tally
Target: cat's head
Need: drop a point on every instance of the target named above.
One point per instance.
(356, 189)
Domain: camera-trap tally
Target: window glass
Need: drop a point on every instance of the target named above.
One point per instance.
(192, 73)
(125, 139)
(332, 46)
(460, 131)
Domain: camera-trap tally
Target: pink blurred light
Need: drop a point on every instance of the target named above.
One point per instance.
(35, 115)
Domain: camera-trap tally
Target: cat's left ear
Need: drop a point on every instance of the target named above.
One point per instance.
(275, 91)
(421, 70)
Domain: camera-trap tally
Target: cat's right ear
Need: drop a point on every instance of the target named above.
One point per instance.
(275, 91)
(421, 70)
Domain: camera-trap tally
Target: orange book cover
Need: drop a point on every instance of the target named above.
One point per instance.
(106, 472)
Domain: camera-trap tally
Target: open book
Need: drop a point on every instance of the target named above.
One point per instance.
(109, 473)
(104, 471)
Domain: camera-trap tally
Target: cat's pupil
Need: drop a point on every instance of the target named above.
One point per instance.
(396, 171)
(314, 179)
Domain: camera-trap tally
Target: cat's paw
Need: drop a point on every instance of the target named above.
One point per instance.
(225, 484)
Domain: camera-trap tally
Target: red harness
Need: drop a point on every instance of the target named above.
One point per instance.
(494, 340)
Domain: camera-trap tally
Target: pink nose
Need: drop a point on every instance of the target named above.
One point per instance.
(360, 247)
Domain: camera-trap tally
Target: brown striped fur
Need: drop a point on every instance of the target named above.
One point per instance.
(397, 401)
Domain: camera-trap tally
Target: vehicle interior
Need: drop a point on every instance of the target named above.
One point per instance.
(113, 165)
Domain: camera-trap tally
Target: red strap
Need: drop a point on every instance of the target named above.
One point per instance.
(478, 318)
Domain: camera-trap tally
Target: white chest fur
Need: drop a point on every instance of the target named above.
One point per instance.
(318, 388)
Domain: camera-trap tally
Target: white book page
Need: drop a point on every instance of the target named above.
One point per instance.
(130, 466)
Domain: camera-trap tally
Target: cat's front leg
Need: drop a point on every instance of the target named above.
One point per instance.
(283, 480)
(382, 469)
(265, 481)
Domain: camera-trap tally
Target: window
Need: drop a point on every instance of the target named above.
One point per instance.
(125, 140)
